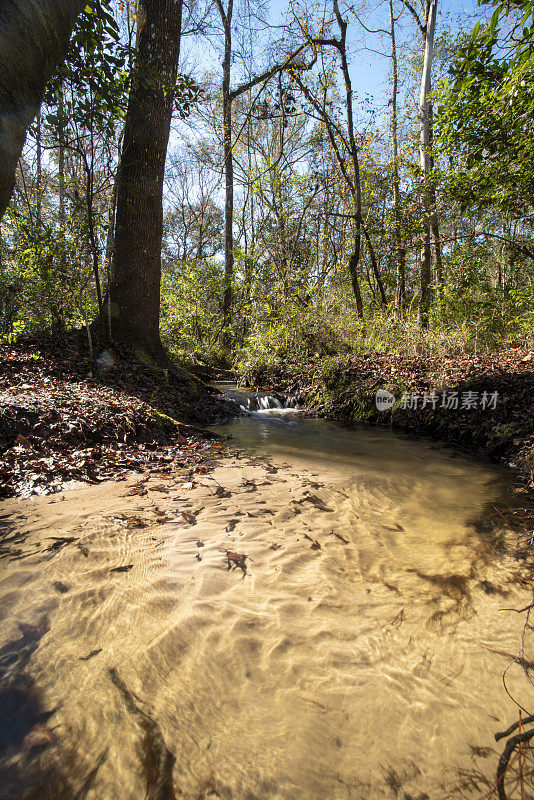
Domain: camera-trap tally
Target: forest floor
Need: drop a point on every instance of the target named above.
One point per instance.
(63, 419)
(496, 390)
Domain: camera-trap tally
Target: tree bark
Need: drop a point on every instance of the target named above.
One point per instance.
(34, 36)
(355, 183)
(136, 267)
(39, 157)
(374, 267)
(354, 261)
(435, 239)
(228, 175)
(425, 162)
(400, 251)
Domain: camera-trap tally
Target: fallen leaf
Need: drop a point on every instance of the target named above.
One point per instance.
(314, 543)
(90, 655)
(236, 561)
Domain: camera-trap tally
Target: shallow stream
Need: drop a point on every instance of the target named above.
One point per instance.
(356, 652)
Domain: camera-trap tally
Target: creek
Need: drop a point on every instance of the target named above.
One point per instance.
(356, 651)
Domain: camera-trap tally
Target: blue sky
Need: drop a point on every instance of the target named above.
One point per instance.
(369, 70)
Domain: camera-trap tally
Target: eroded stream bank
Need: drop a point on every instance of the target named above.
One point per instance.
(356, 652)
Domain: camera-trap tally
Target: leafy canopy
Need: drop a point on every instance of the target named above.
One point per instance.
(487, 111)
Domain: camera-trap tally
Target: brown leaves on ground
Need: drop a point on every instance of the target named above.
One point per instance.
(314, 543)
(62, 420)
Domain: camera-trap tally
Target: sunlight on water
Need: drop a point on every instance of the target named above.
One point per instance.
(358, 654)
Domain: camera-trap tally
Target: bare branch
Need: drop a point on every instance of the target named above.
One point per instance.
(415, 15)
(269, 73)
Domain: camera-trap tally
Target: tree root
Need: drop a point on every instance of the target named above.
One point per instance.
(511, 744)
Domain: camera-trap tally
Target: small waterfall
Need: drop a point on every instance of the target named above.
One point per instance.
(263, 402)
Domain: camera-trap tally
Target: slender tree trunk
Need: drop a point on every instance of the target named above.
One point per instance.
(400, 251)
(435, 239)
(425, 163)
(110, 250)
(61, 158)
(354, 262)
(39, 156)
(229, 185)
(136, 268)
(110, 237)
(374, 266)
(355, 182)
(93, 244)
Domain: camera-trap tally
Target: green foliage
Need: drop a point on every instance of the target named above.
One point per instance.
(190, 307)
(487, 111)
(464, 319)
(292, 333)
(41, 277)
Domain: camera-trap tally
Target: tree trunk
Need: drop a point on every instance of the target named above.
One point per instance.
(39, 157)
(355, 184)
(425, 162)
(374, 266)
(136, 267)
(435, 239)
(229, 180)
(61, 158)
(400, 251)
(34, 37)
(94, 248)
(354, 279)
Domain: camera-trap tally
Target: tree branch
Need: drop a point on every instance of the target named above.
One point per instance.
(415, 15)
(268, 73)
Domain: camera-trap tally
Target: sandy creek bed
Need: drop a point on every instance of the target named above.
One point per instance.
(360, 656)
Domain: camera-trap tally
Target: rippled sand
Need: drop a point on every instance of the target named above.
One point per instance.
(358, 654)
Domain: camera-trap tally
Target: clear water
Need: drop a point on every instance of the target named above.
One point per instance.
(359, 655)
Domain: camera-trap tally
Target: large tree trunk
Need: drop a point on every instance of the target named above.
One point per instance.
(426, 163)
(136, 267)
(34, 36)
